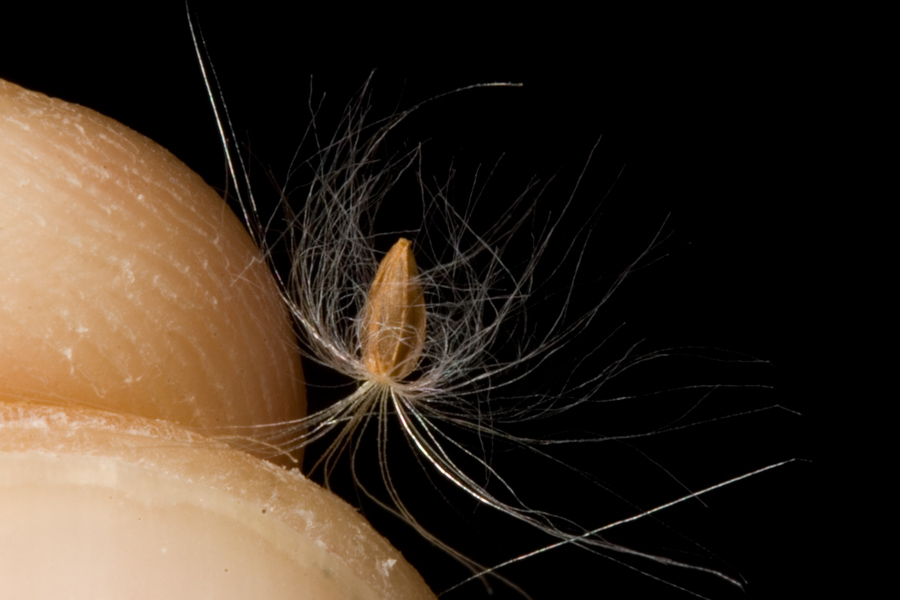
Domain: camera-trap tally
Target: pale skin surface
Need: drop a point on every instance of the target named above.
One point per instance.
(132, 302)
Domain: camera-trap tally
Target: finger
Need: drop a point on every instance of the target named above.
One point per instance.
(130, 294)
(128, 284)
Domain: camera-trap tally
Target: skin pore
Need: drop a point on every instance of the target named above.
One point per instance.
(134, 301)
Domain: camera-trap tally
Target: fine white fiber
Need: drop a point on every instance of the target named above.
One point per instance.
(503, 337)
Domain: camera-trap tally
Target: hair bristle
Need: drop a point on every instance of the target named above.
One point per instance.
(456, 380)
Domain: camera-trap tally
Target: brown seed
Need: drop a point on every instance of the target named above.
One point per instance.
(393, 328)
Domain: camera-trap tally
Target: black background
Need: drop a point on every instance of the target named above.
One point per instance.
(707, 127)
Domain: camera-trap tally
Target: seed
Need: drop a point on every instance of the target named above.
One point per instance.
(393, 327)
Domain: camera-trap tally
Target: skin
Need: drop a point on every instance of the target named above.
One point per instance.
(136, 316)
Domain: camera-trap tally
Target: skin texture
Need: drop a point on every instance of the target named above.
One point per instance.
(135, 316)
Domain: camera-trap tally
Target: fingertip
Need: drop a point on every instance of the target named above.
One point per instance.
(119, 506)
